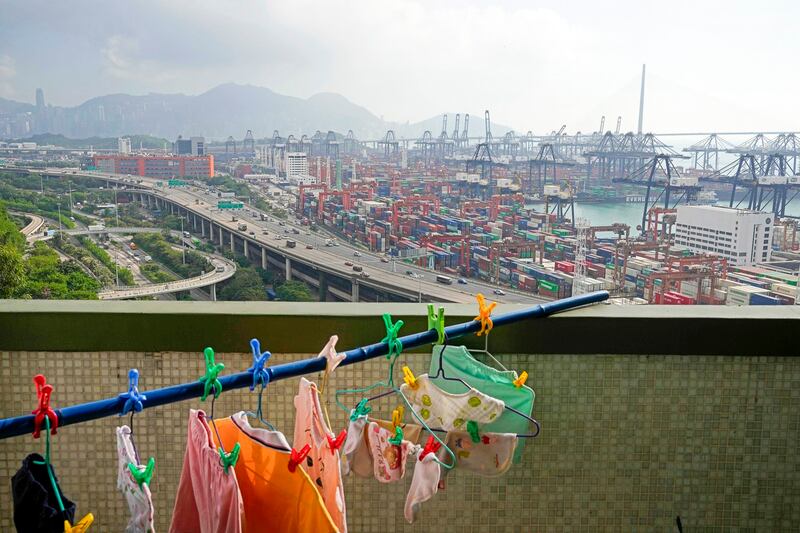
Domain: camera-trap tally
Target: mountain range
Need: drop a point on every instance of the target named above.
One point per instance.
(228, 109)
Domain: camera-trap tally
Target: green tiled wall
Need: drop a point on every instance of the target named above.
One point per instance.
(628, 443)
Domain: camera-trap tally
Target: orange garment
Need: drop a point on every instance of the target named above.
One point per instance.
(275, 499)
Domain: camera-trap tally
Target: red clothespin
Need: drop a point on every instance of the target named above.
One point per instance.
(432, 446)
(336, 443)
(296, 457)
(43, 392)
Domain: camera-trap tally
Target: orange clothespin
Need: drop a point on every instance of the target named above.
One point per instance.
(43, 392)
(520, 381)
(409, 378)
(485, 314)
(81, 527)
(334, 443)
(296, 457)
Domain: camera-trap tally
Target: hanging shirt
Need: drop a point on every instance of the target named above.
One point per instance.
(457, 362)
(35, 503)
(448, 411)
(208, 498)
(140, 502)
(275, 499)
(322, 463)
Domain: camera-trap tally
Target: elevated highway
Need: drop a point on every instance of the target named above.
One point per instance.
(33, 227)
(264, 242)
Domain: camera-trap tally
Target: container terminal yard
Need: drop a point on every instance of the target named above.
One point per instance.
(716, 221)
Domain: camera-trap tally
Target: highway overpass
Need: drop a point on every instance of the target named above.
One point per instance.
(310, 261)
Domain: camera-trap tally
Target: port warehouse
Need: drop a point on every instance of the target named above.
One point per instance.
(156, 166)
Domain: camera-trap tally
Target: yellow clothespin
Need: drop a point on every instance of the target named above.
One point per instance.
(81, 527)
(397, 416)
(485, 315)
(409, 378)
(520, 381)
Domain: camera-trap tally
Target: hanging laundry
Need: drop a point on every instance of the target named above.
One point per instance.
(355, 451)
(491, 456)
(389, 460)
(208, 499)
(140, 501)
(35, 499)
(458, 362)
(411, 432)
(424, 485)
(448, 410)
(322, 462)
(275, 499)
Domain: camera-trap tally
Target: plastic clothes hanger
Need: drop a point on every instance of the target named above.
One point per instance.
(211, 383)
(44, 413)
(395, 347)
(260, 376)
(133, 404)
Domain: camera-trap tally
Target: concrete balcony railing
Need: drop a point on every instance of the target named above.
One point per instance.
(648, 413)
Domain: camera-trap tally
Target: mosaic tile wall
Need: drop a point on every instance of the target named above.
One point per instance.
(628, 443)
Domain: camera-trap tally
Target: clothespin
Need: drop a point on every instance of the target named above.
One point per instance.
(82, 525)
(228, 459)
(520, 381)
(397, 416)
(43, 409)
(436, 321)
(296, 457)
(133, 399)
(259, 370)
(332, 357)
(472, 429)
(145, 474)
(362, 409)
(334, 443)
(485, 314)
(397, 440)
(211, 380)
(395, 344)
(432, 446)
(409, 378)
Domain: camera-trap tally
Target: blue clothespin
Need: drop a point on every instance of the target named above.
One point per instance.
(133, 399)
(259, 368)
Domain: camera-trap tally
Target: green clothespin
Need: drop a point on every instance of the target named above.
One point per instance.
(436, 321)
(144, 475)
(472, 429)
(397, 440)
(362, 409)
(392, 329)
(229, 459)
(211, 379)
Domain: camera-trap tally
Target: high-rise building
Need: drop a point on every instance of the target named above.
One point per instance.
(742, 236)
(124, 145)
(297, 168)
(39, 99)
(190, 146)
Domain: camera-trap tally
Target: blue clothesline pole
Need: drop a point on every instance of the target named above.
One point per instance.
(23, 425)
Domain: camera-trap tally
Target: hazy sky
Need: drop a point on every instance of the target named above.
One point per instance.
(712, 65)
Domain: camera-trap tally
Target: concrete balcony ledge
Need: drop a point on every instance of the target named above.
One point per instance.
(304, 327)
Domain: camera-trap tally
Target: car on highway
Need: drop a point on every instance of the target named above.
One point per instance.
(278, 237)
(253, 233)
(220, 269)
(365, 274)
(348, 263)
(286, 231)
(296, 231)
(462, 281)
(500, 292)
(356, 254)
(265, 232)
(281, 223)
(309, 247)
(384, 259)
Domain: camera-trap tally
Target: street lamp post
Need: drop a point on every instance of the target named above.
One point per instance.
(183, 243)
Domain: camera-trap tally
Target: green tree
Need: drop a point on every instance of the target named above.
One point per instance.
(12, 271)
(244, 286)
(294, 291)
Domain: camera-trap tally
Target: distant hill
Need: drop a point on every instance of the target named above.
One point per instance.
(228, 109)
(102, 143)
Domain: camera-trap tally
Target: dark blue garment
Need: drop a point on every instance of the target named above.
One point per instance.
(35, 504)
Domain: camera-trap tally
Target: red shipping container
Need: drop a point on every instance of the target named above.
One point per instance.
(565, 266)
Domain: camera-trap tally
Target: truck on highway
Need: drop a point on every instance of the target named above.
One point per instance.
(96, 227)
(291, 244)
(447, 280)
(233, 218)
(220, 268)
(187, 234)
(242, 227)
